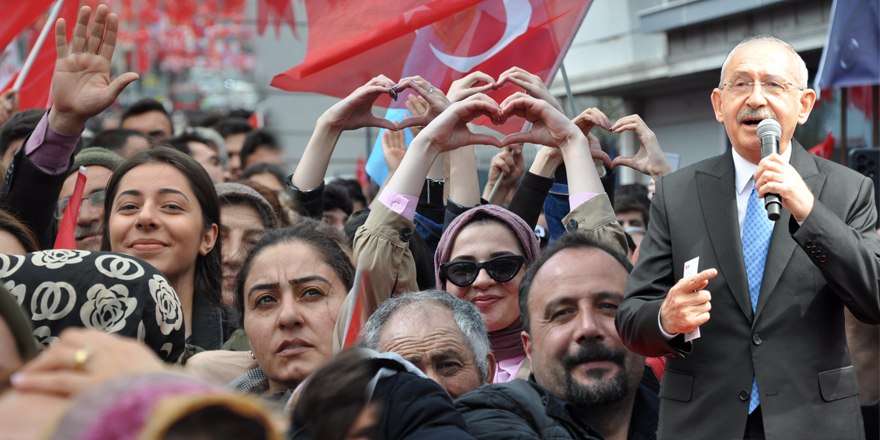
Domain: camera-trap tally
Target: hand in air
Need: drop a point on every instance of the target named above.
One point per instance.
(532, 84)
(356, 110)
(649, 159)
(549, 126)
(449, 130)
(473, 83)
(81, 86)
(434, 99)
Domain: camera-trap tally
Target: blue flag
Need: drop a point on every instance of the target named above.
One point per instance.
(852, 51)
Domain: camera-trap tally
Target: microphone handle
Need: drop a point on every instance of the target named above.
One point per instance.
(772, 202)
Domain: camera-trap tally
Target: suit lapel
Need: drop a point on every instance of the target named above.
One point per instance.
(782, 245)
(720, 213)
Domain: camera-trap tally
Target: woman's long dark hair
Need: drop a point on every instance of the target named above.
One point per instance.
(209, 272)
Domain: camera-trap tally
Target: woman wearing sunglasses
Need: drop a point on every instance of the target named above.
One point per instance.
(480, 259)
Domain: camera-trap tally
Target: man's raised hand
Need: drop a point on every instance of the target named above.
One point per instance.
(81, 86)
(687, 305)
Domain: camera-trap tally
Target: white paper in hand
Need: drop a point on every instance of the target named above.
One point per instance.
(691, 268)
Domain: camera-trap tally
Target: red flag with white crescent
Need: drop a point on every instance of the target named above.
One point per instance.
(351, 42)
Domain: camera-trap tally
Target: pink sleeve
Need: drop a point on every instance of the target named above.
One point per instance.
(50, 151)
(579, 199)
(401, 204)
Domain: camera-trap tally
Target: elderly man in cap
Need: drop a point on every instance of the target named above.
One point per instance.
(100, 164)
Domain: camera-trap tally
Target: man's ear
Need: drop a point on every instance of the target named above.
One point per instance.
(527, 344)
(493, 366)
(808, 99)
(716, 104)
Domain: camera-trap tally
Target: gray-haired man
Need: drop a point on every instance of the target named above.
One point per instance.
(442, 335)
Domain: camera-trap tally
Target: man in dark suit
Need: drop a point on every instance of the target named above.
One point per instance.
(771, 359)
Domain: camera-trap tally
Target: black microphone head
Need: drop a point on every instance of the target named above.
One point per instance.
(769, 127)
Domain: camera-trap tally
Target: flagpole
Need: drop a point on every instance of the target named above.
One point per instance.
(50, 22)
(568, 90)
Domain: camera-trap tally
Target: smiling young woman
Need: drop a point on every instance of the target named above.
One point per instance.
(162, 207)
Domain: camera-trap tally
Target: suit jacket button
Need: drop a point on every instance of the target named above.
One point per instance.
(744, 395)
(813, 249)
(808, 244)
(405, 234)
(572, 225)
(756, 338)
(822, 259)
(818, 254)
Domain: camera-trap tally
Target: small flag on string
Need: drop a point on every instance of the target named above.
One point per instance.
(66, 238)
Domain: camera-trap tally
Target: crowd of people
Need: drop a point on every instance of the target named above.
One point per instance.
(212, 295)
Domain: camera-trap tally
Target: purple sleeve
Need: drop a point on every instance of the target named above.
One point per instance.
(50, 151)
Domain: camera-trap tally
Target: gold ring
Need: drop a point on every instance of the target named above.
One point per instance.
(80, 358)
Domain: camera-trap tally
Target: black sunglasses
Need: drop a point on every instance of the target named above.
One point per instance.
(464, 273)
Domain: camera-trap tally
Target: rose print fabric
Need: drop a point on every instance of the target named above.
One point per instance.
(105, 290)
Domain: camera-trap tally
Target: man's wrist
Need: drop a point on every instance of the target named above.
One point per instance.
(65, 124)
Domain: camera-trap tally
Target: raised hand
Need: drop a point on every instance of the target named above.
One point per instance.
(356, 110)
(417, 106)
(393, 148)
(591, 117)
(449, 130)
(81, 86)
(8, 107)
(549, 126)
(649, 159)
(510, 162)
(470, 85)
(532, 84)
(434, 99)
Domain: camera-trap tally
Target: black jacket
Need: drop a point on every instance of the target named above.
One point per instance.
(413, 408)
(30, 194)
(524, 410)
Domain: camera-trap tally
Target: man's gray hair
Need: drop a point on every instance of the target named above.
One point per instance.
(465, 315)
(802, 81)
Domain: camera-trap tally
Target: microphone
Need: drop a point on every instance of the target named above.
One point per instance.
(769, 132)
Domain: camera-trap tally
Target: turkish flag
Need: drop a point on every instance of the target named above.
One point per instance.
(351, 42)
(36, 89)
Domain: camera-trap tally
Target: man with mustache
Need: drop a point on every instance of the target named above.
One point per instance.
(100, 164)
(585, 384)
(766, 299)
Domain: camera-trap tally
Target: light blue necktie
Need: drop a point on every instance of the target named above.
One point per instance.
(757, 230)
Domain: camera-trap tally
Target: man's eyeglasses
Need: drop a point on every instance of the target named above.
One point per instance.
(464, 273)
(96, 199)
(772, 86)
